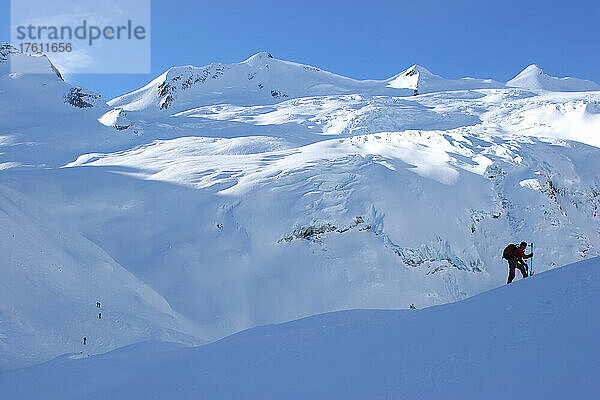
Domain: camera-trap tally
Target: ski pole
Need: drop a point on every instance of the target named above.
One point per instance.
(532, 257)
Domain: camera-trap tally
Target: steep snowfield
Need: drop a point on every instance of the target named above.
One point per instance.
(51, 280)
(533, 339)
(45, 120)
(235, 233)
(231, 207)
(533, 77)
(13, 61)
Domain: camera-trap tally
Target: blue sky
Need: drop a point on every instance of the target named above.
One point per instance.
(377, 39)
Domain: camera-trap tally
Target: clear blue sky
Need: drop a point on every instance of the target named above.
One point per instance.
(373, 39)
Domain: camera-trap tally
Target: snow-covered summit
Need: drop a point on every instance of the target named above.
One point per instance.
(57, 116)
(32, 81)
(259, 79)
(13, 61)
(422, 80)
(533, 77)
(410, 77)
(264, 79)
(259, 58)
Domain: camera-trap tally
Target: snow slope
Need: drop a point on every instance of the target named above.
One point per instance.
(533, 339)
(533, 77)
(421, 79)
(262, 79)
(52, 278)
(233, 208)
(45, 120)
(574, 116)
(234, 233)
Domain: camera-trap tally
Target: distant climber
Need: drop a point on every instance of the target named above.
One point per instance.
(412, 307)
(98, 304)
(515, 257)
(99, 315)
(84, 340)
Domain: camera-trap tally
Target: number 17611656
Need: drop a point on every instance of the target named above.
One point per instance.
(45, 47)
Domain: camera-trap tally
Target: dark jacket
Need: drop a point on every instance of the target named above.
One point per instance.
(519, 253)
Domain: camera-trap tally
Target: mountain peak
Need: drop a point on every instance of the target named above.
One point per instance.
(421, 80)
(411, 77)
(259, 57)
(6, 50)
(533, 77)
(25, 63)
(532, 69)
(417, 68)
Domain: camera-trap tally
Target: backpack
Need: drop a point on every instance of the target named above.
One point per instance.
(509, 251)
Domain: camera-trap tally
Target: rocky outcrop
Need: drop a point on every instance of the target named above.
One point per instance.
(81, 98)
(314, 232)
(6, 50)
(179, 79)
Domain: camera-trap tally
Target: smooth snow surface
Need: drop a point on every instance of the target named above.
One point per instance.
(221, 198)
(422, 80)
(533, 77)
(533, 339)
(262, 79)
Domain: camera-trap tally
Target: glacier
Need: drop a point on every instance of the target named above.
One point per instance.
(230, 196)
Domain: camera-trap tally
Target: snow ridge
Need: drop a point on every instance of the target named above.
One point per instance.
(533, 77)
(263, 79)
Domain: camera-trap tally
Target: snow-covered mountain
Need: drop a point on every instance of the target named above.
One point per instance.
(423, 81)
(262, 79)
(533, 77)
(203, 204)
(45, 120)
(535, 339)
(35, 84)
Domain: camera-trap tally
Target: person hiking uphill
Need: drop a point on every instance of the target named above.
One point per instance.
(515, 257)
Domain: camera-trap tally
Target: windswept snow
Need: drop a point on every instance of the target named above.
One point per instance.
(535, 339)
(220, 198)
